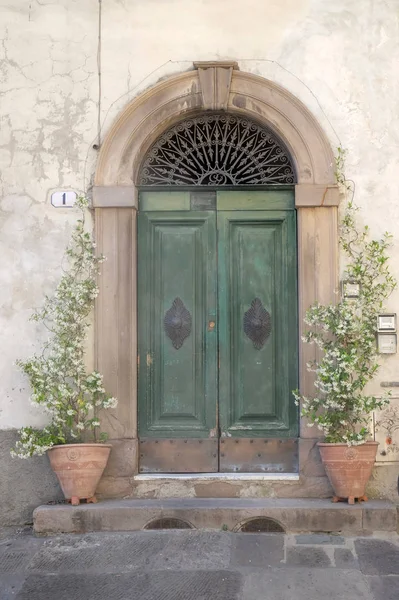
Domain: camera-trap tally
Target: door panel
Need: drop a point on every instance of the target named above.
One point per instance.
(177, 347)
(256, 200)
(164, 201)
(257, 323)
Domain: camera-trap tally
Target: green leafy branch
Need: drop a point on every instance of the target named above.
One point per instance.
(345, 332)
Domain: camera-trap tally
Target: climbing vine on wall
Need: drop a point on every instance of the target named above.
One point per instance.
(345, 332)
(59, 381)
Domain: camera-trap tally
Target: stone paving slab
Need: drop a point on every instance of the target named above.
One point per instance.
(344, 559)
(116, 552)
(10, 585)
(257, 550)
(159, 585)
(198, 565)
(314, 538)
(306, 584)
(15, 553)
(109, 555)
(385, 588)
(312, 558)
(378, 557)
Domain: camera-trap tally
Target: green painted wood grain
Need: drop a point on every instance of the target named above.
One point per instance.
(177, 387)
(257, 259)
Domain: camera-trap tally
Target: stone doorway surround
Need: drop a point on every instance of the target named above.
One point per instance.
(209, 86)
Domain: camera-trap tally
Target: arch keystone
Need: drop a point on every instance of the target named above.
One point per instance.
(215, 81)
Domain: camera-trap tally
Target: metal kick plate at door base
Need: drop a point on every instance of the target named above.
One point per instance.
(195, 455)
(258, 455)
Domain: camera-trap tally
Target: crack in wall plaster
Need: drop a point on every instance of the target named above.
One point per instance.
(48, 68)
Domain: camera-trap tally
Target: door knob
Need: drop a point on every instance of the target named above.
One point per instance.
(211, 325)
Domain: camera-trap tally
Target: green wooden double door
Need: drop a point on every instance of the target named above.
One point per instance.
(218, 335)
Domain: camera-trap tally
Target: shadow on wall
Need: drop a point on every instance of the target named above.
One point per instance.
(24, 484)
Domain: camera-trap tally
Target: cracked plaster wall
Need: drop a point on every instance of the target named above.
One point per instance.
(48, 121)
(339, 58)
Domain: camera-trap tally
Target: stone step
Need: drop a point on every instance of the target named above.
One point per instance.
(294, 515)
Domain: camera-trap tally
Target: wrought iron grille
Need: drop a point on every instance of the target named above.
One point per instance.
(217, 150)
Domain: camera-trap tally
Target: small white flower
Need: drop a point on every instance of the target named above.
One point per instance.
(110, 403)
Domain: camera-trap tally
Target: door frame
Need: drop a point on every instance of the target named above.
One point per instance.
(211, 86)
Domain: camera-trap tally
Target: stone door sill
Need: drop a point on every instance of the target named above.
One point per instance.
(220, 476)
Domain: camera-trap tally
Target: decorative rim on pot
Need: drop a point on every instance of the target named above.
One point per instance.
(370, 442)
(96, 444)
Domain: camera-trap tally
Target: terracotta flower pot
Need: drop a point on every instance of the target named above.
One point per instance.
(79, 468)
(348, 468)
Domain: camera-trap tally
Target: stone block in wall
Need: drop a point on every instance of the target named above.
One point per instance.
(115, 487)
(122, 461)
(307, 487)
(24, 483)
(310, 464)
(218, 489)
(383, 484)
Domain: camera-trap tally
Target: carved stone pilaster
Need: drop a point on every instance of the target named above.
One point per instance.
(215, 81)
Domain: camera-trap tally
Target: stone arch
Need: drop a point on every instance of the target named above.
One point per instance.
(216, 86)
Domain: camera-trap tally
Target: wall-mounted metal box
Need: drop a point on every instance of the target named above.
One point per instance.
(386, 322)
(350, 289)
(386, 343)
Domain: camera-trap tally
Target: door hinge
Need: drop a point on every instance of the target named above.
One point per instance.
(138, 360)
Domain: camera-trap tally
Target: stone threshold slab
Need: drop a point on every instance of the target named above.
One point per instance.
(295, 515)
(225, 477)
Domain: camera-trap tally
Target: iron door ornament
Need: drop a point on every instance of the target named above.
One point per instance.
(257, 324)
(177, 323)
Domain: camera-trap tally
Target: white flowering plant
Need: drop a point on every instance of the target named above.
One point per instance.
(345, 334)
(59, 380)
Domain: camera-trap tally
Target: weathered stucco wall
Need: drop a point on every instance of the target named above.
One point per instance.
(339, 58)
(48, 119)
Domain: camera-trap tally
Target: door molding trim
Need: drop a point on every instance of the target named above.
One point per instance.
(115, 202)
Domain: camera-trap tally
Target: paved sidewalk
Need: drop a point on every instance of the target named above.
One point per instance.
(198, 565)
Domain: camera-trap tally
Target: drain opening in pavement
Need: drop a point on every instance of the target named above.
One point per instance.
(262, 525)
(168, 523)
